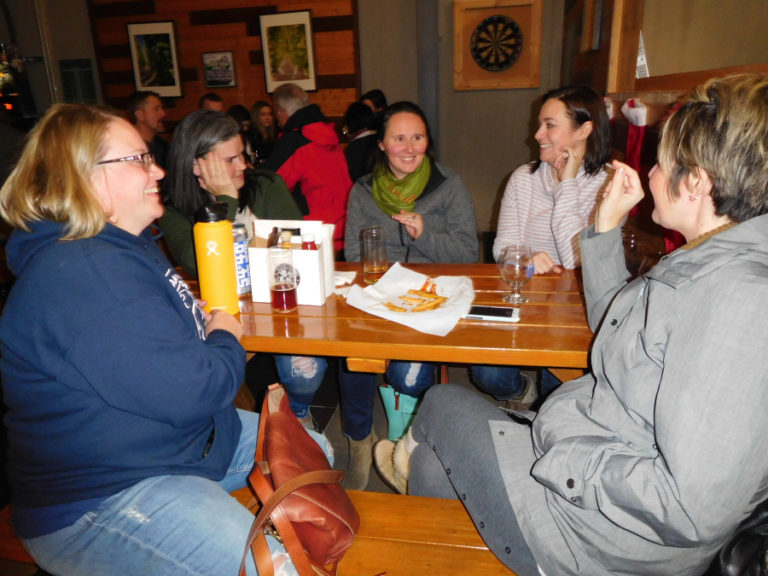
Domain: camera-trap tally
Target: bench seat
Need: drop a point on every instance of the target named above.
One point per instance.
(407, 535)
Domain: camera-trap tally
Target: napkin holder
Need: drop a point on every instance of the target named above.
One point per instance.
(315, 267)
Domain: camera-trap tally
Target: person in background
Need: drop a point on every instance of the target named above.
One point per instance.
(243, 118)
(263, 122)
(211, 101)
(123, 440)
(428, 216)
(308, 157)
(360, 129)
(207, 165)
(375, 100)
(545, 205)
(146, 113)
(647, 464)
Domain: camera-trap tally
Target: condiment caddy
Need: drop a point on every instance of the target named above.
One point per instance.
(311, 243)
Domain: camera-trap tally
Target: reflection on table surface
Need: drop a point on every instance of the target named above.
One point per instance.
(552, 330)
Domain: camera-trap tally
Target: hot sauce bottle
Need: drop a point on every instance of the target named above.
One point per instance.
(308, 242)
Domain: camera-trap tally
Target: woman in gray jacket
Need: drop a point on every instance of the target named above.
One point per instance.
(647, 464)
(428, 216)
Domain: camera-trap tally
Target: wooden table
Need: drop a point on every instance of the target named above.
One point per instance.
(552, 330)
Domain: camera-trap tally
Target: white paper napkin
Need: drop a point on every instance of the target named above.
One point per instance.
(397, 281)
(341, 278)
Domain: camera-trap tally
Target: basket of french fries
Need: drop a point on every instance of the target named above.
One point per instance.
(429, 305)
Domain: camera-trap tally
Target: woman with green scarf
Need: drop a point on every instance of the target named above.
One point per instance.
(428, 216)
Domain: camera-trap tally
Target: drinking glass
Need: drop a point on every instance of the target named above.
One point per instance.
(373, 250)
(516, 268)
(283, 279)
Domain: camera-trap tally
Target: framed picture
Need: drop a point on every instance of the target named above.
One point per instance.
(497, 44)
(219, 69)
(154, 57)
(286, 41)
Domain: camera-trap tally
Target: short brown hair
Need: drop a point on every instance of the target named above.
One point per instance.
(722, 127)
(52, 178)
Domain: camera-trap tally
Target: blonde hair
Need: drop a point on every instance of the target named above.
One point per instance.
(722, 127)
(52, 178)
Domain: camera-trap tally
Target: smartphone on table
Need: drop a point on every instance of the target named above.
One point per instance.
(493, 313)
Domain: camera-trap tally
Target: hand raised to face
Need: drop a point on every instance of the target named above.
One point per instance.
(214, 177)
(222, 170)
(621, 195)
(567, 164)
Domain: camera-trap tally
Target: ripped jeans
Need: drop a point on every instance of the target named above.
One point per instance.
(169, 525)
(301, 376)
(358, 390)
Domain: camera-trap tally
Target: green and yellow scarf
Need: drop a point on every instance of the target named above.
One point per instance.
(393, 195)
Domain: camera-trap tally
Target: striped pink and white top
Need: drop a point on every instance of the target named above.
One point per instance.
(545, 215)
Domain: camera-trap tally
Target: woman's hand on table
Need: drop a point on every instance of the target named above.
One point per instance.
(543, 263)
(214, 176)
(621, 195)
(221, 320)
(413, 222)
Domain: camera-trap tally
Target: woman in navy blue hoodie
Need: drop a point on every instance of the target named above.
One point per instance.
(123, 438)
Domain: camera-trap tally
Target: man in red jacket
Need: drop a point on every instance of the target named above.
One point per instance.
(308, 157)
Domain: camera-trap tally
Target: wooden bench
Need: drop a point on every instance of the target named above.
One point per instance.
(406, 535)
(399, 536)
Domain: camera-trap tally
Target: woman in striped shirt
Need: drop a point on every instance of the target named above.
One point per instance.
(546, 204)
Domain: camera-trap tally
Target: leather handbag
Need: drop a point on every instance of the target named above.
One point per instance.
(302, 500)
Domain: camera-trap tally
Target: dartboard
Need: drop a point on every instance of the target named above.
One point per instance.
(496, 43)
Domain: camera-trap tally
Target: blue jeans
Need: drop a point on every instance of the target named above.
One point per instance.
(358, 390)
(456, 458)
(165, 525)
(506, 383)
(301, 376)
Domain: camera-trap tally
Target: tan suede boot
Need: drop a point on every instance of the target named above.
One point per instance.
(393, 462)
(360, 459)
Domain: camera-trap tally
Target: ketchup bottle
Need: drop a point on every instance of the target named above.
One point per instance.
(308, 242)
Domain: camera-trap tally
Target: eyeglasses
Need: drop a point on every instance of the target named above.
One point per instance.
(146, 159)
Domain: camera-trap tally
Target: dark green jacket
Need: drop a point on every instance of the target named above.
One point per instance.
(270, 199)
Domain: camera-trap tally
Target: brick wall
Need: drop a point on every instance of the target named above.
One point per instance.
(227, 25)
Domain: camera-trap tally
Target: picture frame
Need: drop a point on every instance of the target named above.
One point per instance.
(154, 57)
(219, 69)
(497, 44)
(287, 45)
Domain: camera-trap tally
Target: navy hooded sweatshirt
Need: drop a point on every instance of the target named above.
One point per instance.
(107, 375)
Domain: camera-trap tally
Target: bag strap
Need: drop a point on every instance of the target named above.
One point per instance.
(272, 508)
(266, 409)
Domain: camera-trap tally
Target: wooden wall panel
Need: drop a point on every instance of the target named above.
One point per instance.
(227, 25)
